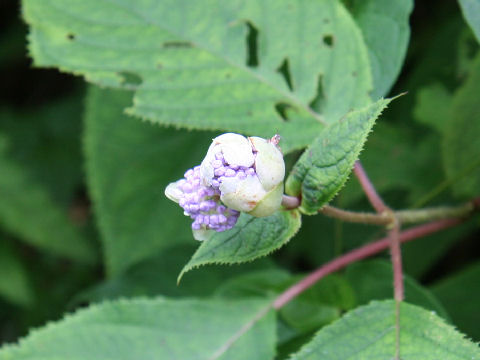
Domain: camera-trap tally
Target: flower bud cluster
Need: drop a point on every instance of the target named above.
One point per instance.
(201, 204)
(237, 174)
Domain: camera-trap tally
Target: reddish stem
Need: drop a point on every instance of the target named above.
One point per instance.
(290, 202)
(381, 207)
(359, 254)
(368, 188)
(396, 256)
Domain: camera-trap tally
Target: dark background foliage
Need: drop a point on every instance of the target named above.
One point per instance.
(44, 197)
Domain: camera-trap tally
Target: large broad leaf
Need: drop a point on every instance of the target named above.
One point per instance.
(433, 106)
(251, 238)
(460, 294)
(155, 329)
(255, 67)
(385, 28)
(28, 210)
(471, 12)
(324, 167)
(129, 164)
(321, 304)
(461, 145)
(46, 142)
(372, 280)
(369, 332)
(157, 275)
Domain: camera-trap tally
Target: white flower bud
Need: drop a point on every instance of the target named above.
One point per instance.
(248, 172)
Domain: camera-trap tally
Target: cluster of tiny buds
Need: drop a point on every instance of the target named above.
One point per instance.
(203, 205)
(224, 170)
(238, 174)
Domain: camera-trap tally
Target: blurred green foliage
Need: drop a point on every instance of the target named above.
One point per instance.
(83, 217)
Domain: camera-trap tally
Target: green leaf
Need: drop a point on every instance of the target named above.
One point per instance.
(460, 294)
(28, 210)
(46, 142)
(229, 65)
(471, 13)
(385, 28)
(369, 332)
(155, 329)
(262, 283)
(250, 239)
(129, 164)
(372, 280)
(157, 275)
(319, 305)
(324, 167)
(433, 106)
(396, 147)
(420, 256)
(461, 143)
(15, 284)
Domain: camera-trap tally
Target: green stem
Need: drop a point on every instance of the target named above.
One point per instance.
(403, 216)
(436, 213)
(357, 217)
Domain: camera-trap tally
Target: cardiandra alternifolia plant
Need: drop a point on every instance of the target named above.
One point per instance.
(280, 98)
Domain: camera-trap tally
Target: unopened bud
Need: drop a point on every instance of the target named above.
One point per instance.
(237, 174)
(248, 172)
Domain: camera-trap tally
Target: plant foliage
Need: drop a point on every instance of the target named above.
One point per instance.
(92, 251)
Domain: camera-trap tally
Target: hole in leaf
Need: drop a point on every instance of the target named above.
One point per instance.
(282, 109)
(177, 44)
(71, 36)
(318, 102)
(252, 45)
(130, 79)
(284, 70)
(328, 40)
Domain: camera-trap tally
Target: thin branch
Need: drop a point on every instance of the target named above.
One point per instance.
(396, 255)
(356, 217)
(403, 216)
(359, 254)
(368, 188)
(437, 213)
(290, 202)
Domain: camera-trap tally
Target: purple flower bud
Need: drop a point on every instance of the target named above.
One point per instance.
(213, 219)
(196, 226)
(202, 204)
(220, 171)
(217, 164)
(230, 173)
